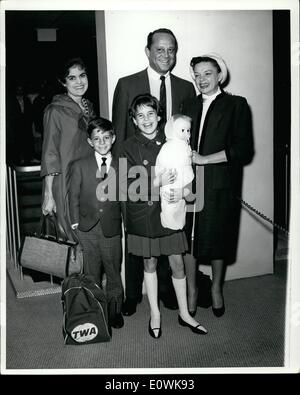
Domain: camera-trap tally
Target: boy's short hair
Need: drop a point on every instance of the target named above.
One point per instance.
(144, 100)
(100, 123)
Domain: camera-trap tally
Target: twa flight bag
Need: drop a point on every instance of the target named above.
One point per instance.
(84, 311)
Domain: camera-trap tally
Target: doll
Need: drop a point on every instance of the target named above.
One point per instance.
(175, 154)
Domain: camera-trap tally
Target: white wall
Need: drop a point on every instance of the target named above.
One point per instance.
(244, 39)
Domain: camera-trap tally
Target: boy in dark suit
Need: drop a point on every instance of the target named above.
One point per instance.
(96, 214)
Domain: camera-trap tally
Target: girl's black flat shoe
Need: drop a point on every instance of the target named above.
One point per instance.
(195, 329)
(152, 333)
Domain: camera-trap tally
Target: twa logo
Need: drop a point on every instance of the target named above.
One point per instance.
(84, 333)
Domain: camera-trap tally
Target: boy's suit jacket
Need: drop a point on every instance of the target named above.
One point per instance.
(87, 197)
(128, 88)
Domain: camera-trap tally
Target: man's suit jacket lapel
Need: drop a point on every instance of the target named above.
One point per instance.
(143, 84)
(175, 89)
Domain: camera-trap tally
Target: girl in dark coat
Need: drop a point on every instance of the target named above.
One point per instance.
(221, 140)
(65, 140)
(146, 236)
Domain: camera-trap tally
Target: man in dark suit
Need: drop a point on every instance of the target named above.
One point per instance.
(157, 79)
(95, 214)
(19, 132)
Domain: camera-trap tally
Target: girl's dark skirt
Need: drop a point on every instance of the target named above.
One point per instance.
(174, 244)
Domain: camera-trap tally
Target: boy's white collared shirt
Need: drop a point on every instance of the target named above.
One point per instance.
(154, 82)
(99, 160)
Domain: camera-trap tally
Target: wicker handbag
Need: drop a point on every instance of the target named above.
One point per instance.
(50, 254)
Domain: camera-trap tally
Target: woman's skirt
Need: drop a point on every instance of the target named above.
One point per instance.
(147, 247)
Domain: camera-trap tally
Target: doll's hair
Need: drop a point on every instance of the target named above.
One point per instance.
(169, 127)
(181, 116)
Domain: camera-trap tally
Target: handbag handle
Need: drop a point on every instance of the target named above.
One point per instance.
(53, 220)
(42, 227)
(58, 229)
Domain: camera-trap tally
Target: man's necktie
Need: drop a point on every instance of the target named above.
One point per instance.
(103, 172)
(163, 99)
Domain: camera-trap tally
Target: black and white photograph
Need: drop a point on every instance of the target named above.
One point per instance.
(150, 190)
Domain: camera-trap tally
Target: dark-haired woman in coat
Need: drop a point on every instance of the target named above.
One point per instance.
(65, 140)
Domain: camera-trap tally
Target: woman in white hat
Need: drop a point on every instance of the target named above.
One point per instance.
(222, 142)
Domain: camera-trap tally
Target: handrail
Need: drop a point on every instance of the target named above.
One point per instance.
(12, 215)
(12, 209)
(9, 233)
(27, 169)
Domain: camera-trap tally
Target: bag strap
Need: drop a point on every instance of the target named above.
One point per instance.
(42, 227)
(58, 229)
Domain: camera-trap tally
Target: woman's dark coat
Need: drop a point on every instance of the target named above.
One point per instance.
(228, 127)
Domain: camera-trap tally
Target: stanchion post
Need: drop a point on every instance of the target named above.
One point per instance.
(16, 209)
(11, 197)
(8, 217)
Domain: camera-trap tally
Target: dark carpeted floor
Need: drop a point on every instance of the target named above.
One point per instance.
(250, 334)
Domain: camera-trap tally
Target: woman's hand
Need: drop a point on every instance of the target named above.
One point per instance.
(174, 195)
(165, 177)
(217, 157)
(168, 177)
(49, 205)
(198, 159)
